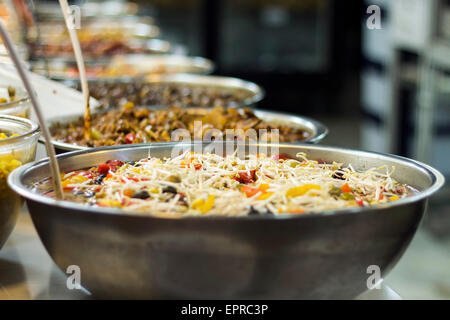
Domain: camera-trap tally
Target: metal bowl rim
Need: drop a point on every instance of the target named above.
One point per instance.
(320, 131)
(207, 66)
(208, 80)
(14, 181)
(34, 128)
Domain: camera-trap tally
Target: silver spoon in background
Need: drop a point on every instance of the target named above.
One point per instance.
(81, 67)
(54, 168)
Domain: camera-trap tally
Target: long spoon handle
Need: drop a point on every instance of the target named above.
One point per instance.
(81, 67)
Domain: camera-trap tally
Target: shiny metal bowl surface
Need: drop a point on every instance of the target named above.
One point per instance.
(255, 92)
(139, 66)
(318, 131)
(324, 255)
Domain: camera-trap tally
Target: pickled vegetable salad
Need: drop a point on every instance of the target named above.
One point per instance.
(195, 184)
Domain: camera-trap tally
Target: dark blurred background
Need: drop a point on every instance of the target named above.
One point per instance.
(306, 54)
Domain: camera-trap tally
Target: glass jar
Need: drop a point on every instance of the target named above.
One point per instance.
(18, 141)
(19, 107)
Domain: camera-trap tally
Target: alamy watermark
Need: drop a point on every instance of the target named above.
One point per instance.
(74, 278)
(374, 280)
(374, 20)
(74, 17)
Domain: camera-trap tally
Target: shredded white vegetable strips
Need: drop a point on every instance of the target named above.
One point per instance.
(195, 184)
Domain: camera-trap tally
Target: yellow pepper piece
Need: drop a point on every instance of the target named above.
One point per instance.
(4, 136)
(72, 180)
(154, 190)
(301, 190)
(78, 179)
(264, 187)
(208, 204)
(110, 203)
(265, 196)
(393, 198)
(65, 183)
(202, 205)
(197, 204)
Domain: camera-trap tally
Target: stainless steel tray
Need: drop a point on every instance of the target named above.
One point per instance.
(316, 128)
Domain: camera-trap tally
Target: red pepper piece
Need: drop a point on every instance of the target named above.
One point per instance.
(253, 174)
(113, 164)
(129, 138)
(103, 168)
(243, 178)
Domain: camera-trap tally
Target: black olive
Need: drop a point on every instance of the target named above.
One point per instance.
(253, 211)
(169, 189)
(338, 174)
(99, 179)
(141, 194)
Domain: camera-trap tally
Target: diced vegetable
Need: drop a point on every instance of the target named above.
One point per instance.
(301, 190)
(335, 191)
(95, 134)
(265, 196)
(103, 168)
(202, 205)
(346, 188)
(129, 138)
(348, 196)
(249, 191)
(296, 211)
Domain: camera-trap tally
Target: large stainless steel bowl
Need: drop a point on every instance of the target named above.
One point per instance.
(129, 68)
(323, 255)
(318, 131)
(253, 91)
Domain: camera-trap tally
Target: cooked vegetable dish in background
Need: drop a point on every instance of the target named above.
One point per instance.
(194, 184)
(128, 125)
(112, 94)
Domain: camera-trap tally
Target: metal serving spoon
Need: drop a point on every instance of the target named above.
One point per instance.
(81, 67)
